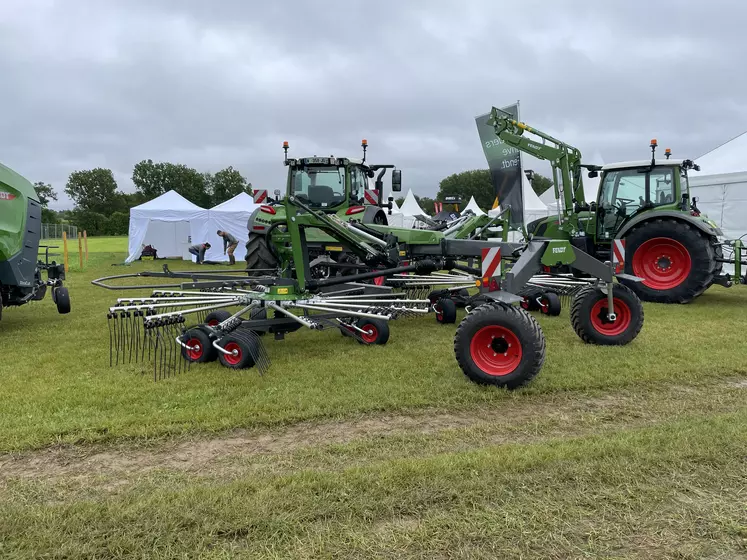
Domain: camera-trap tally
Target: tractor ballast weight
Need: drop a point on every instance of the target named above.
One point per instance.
(20, 232)
(642, 207)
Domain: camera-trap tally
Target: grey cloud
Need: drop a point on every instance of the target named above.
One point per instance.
(224, 83)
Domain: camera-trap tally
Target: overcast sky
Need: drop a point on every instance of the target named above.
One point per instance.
(210, 84)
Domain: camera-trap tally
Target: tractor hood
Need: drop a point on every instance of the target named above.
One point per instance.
(15, 192)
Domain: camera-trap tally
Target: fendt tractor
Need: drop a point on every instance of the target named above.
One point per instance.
(338, 186)
(20, 231)
(642, 216)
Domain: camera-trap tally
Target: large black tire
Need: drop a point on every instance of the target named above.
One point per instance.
(243, 358)
(201, 347)
(259, 258)
(676, 261)
(446, 311)
(589, 310)
(377, 331)
(62, 300)
(499, 344)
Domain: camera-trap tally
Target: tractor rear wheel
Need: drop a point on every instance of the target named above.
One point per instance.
(259, 258)
(676, 261)
(589, 316)
(499, 344)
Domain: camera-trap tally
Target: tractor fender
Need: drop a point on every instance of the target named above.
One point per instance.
(373, 212)
(260, 223)
(705, 227)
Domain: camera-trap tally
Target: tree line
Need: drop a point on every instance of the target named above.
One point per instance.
(102, 209)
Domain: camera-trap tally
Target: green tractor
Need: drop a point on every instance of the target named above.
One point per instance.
(643, 216)
(20, 232)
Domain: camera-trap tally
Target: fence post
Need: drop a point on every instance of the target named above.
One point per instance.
(64, 250)
(80, 250)
(85, 242)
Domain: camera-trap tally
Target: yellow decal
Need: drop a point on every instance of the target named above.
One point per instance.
(402, 253)
(333, 248)
(282, 291)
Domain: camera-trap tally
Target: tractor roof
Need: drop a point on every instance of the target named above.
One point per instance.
(14, 180)
(641, 163)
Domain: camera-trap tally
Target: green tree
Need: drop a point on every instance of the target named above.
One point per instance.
(93, 223)
(153, 179)
(94, 190)
(49, 216)
(226, 184)
(540, 183)
(476, 182)
(45, 192)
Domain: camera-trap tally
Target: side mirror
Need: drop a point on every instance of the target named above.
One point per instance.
(593, 174)
(396, 180)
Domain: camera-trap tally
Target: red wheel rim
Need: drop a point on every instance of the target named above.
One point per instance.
(524, 303)
(663, 263)
(379, 280)
(231, 358)
(439, 312)
(371, 334)
(599, 317)
(195, 350)
(544, 305)
(213, 323)
(496, 350)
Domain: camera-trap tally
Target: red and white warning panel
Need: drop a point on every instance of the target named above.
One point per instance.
(491, 262)
(618, 255)
(372, 196)
(260, 196)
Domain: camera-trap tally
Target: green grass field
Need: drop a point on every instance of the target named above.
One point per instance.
(346, 451)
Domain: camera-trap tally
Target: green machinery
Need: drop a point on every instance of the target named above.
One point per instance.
(337, 187)
(642, 216)
(20, 231)
(497, 343)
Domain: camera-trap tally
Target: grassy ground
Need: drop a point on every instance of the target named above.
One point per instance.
(345, 451)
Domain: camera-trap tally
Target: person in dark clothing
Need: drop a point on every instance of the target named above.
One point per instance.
(229, 245)
(199, 251)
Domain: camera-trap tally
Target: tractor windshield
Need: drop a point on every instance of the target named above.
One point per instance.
(319, 186)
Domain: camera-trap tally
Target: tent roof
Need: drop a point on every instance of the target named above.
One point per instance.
(531, 200)
(240, 202)
(472, 205)
(410, 206)
(548, 197)
(395, 208)
(727, 158)
(170, 200)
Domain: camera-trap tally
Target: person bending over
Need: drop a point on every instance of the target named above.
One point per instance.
(199, 251)
(229, 245)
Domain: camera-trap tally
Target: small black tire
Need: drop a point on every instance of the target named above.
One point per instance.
(200, 346)
(589, 310)
(260, 260)
(550, 304)
(377, 331)
(500, 345)
(62, 300)
(446, 311)
(243, 357)
(214, 318)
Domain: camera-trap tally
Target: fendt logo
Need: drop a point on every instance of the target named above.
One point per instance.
(556, 250)
(6, 196)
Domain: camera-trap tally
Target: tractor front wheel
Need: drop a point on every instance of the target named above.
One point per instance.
(590, 316)
(675, 260)
(260, 261)
(499, 344)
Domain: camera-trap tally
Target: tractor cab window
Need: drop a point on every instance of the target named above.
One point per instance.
(358, 184)
(662, 186)
(319, 186)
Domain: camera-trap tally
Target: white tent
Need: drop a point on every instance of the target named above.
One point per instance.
(721, 187)
(231, 216)
(534, 208)
(472, 205)
(410, 208)
(168, 223)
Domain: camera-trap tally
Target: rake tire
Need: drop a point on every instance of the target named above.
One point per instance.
(550, 304)
(377, 331)
(446, 311)
(243, 359)
(216, 317)
(492, 329)
(206, 352)
(588, 310)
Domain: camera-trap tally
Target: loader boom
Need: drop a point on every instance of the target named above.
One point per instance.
(564, 159)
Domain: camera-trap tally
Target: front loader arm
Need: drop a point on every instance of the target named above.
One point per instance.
(564, 159)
